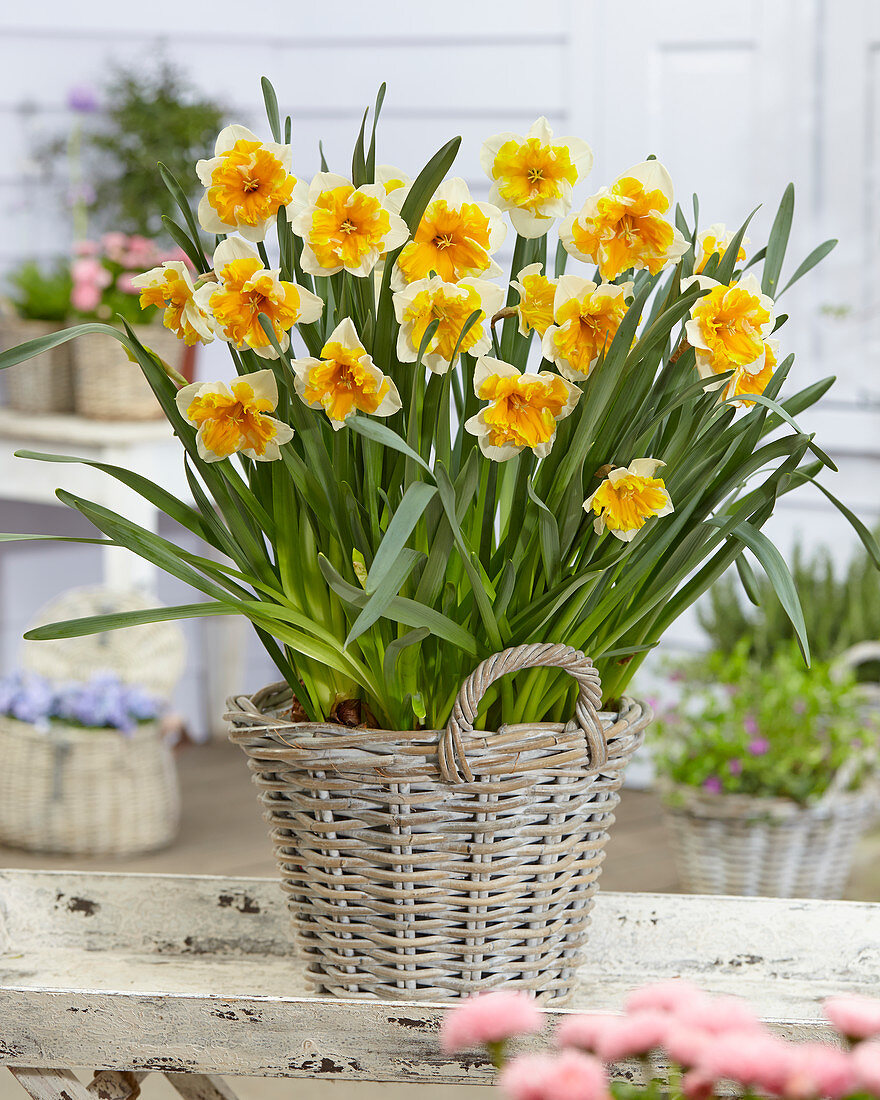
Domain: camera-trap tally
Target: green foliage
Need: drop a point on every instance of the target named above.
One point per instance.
(151, 115)
(839, 610)
(772, 729)
(384, 560)
(40, 293)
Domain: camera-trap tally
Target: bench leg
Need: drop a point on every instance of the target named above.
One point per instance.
(51, 1084)
(201, 1086)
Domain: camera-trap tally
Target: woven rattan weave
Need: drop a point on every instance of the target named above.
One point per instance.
(43, 384)
(428, 865)
(766, 847)
(109, 386)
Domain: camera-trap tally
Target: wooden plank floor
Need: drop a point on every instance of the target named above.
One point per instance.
(222, 832)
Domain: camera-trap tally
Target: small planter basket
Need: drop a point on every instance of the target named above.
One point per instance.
(433, 864)
(86, 792)
(43, 384)
(108, 386)
(766, 847)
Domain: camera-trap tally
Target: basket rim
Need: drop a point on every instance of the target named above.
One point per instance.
(693, 802)
(63, 731)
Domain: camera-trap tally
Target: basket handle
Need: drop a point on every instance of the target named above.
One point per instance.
(453, 761)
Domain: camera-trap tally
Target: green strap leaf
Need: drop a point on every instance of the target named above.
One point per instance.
(778, 242)
(816, 256)
(409, 512)
(549, 534)
(381, 433)
(749, 580)
(395, 647)
(392, 581)
(271, 101)
(97, 624)
(866, 537)
(30, 348)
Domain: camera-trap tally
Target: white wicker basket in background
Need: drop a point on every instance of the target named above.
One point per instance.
(152, 655)
(86, 792)
(766, 847)
(109, 386)
(43, 384)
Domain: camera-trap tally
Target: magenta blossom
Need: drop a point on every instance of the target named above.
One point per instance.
(759, 746)
(857, 1017)
(750, 725)
(735, 766)
(83, 98)
(89, 279)
(490, 1018)
(713, 785)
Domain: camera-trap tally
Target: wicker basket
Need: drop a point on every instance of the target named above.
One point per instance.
(108, 386)
(86, 792)
(766, 847)
(43, 384)
(428, 865)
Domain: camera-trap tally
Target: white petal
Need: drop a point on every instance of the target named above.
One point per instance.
(366, 265)
(310, 306)
(529, 269)
(569, 287)
(704, 282)
(390, 403)
(209, 219)
(346, 334)
(233, 248)
(398, 232)
(326, 181)
(653, 177)
(486, 366)
(694, 332)
(548, 347)
(435, 363)
(617, 473)
(263, 384)
(229, 135)
(301, 368)
(645, 467)
(204, 454)
(454, 190)
(540, 129)
(581, 155)
(258, 232)
(490, 148)
(299, 201)
(205, 170)
(529, 225)
(310, 265)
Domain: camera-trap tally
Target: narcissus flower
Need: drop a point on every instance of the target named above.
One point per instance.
(170, 287)
(523, 409)
(455, 238)
(233, 418)
(451, 304)
(623, 226)
(395, 182)
(245, 290)
(246, 182)
(533, 175)
(344, 227)
(628, 497)
(536, 294)
(728, 325)
(746, 382)
(716, 240)
(345, 379)
(586, 318)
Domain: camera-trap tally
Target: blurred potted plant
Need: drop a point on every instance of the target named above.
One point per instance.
(38, 304)
(86, 769)
(137, 119)
(768, 775)
(108, 384)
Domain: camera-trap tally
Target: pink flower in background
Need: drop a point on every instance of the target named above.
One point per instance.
(582, 1030)
(819, 1070)
(176, 255)
(83, 98)
(632, 1036)
(697, 1085)
(663, 996)
(712, 784)
(140, 253)
(86, 248)
(566, 1076)
(735, 766)
(114, 246)
(759, 746)
(89, 279)
(750, 725)
(125, 284)
(854, 1016)
(490, 1018)
(866, 1062)
(751, 1059)
(718, 1015)
(686, 1045)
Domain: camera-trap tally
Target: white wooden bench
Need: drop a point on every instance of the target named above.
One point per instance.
(196, 976)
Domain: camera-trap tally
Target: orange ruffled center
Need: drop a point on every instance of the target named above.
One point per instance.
(744, 382)
(249, 185)
(347, 226)
(711, 247)
(452, 241)
(172, 294)
(342, 382)
(233, 422)
(452, 311)
(532, 173)
(522, 412)
(630, 501)
(627, 230)
(586, 328)
(730, 321)
(246, 291)
(536, 302)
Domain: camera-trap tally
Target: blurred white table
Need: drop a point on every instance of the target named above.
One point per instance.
(147, 447)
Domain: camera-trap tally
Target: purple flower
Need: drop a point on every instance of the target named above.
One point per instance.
(713, 785)
(759, 746)
(83, 98)
(798, 706)
(677, 675)
(750, 725)
(735, 766)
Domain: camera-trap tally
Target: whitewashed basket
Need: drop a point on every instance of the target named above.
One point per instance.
(152, 655)
(86, 792)
(766, 847)
(109, 386)
(429, 865)
(43, 384)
